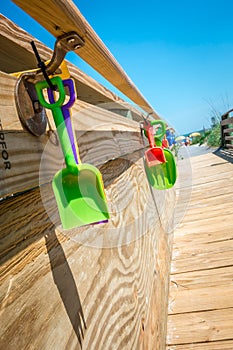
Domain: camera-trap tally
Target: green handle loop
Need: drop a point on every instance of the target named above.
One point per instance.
(58, 117)
(40, 86)
(163, 127)
(158, 137)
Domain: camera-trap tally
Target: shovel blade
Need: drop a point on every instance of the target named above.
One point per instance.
(163, 176)
(80, 196)
(155, 156)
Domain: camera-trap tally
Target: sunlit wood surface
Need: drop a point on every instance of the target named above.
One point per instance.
(201, 286)
(98, 287)
(62, 16)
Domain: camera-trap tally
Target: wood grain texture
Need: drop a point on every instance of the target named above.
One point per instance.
(198, 299)
(101, 135)
(201, 284)
(95, 287)
(16, 55)
(63, 16)
(200, 327)
(217, 345)
(67, 292)
(199, 279)
(227, 121)
(228, 130)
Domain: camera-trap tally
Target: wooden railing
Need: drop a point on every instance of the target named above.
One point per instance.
(227, 129)
(71, 293)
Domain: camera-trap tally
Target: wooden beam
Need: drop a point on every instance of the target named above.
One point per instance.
(86, 289)
(203, 278)
(16, 55)
(92, 125)
(227, 121)
(191, 300)
(62, 17)
(228, 130)
(216, 345)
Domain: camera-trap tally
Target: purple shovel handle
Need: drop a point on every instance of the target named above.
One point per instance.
(66, 112)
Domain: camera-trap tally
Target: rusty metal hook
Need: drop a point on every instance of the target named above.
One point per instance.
(31, 113)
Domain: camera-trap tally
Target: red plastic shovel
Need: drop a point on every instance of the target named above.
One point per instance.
(154, 155)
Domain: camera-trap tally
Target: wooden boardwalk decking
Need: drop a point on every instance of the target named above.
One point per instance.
(200, 315)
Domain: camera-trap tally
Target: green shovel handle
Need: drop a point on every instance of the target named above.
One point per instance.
(159, 136)
(58, 116)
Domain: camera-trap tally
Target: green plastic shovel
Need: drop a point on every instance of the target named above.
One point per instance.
(162, 176)
(78, 189)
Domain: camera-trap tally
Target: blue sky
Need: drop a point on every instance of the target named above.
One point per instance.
(178, 53)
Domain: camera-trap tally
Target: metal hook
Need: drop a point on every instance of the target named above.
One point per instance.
(31, 113)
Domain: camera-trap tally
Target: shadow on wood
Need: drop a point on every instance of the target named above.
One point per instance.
(30, 208)
(66, 285)
(226, 154)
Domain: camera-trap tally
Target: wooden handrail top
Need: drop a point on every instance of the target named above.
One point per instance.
(227, 121)
(62, 17)
(228, 130)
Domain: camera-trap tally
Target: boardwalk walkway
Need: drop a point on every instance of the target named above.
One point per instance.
(201, 288)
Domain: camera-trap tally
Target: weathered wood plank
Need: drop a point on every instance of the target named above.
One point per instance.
(200, 327)
(200, 303)
(121, 171)
(199, 193)
(199, 299)
(94, 287)
(203, 278)
(216, 254)
(205, 225)
(25, 157)
(201, 243)
(228, 130)
(227, 121)
(91, 117)
(17, 55)
(229, 138)
(199, 173)
(191, 291)
(211, 175)
(62, 17)
(101, 134)
(97, 297)
(217, 345)
(207, 213)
